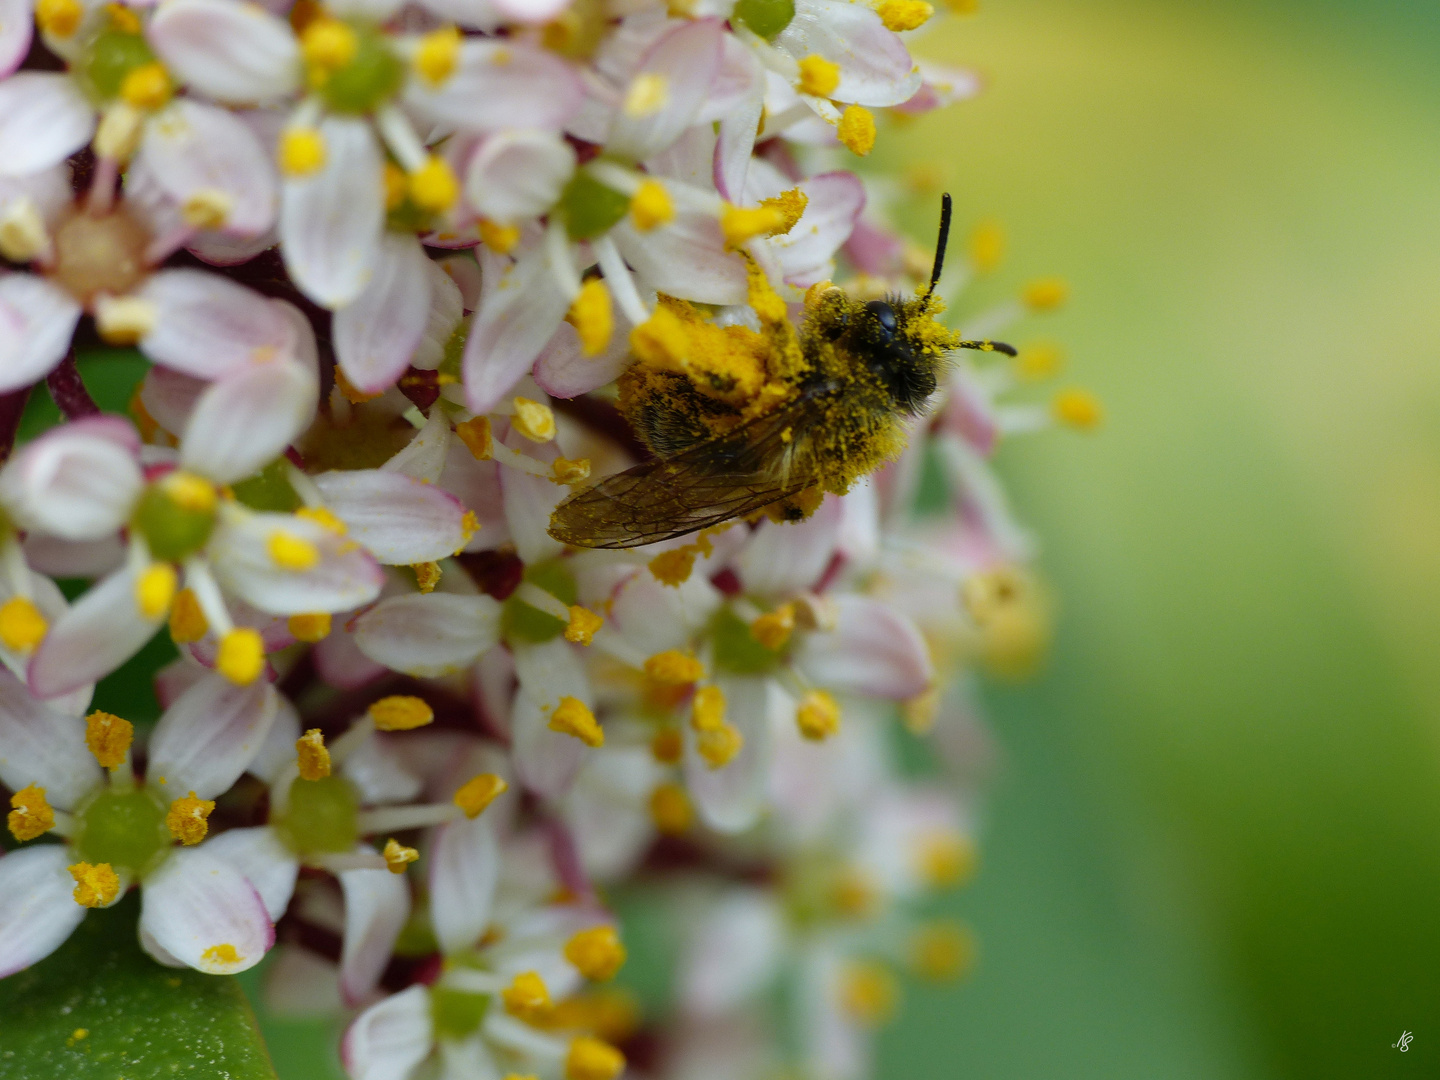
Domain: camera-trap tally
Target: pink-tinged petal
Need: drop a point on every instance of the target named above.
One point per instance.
(654, 617)
(390, 1038)
(262, 860)
(423, 457)
(464, 271)
(739, 80)
(39, 745)
(223, 249)
(520, 308)
(515, 175)
(969, 413)
(341, 664)
(37, 908)
(301, 985)
(374, 767)
(807, 252)
(608, 813)
(875, 66)
(73, 558)
(77, 481)
(474, 14)
(331, 222)
(874, 250)
(739, 123)
(529, 502)
(46, 596)
(429, 634)
(44, 118)
(345, 577)
(207, 325)
(564, 371)
(203, 911)
(873, 650)
(377, 333)
(37, 321)
(16, 30)
(501, 84)
(686, 258)
(209, 736)
(781, 560)
(447, 308)
(943, 85)
(247, 419)
(169, 397)
(100, 632)
(686, 59)
(194, 149)
(546, 761)
(278, 748)
(731, 798)
(464, 868)
(48, 191)
(400, 520)
(532, 12)
(233, 52)
(477, 485)
(860, 529)
(377, 903)
(735, 951)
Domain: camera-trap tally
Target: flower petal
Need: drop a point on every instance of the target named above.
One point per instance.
(685, 61)
(208, 325)
(732, 797)
(515, 175)
(345, 577)
(564, 371)
(263, 860)
(102, 630)
(529, 502)
(16, 30)
(400, 520)
(247, 419)
(429, 634)
(423, 457)
(781, 560)
(447, 308)
(875, 66)
(209, 736)
(501, 84)
(377, 903)
(390, 1038)
(377, 333)
(203, 911)
(375, 768)
(873, 650)
(734, 952)
(37, 321)
(807, 252)
(686, 258)
(39, 745)
(78, 481)
(464, 868)
(37, 908)
(519, 310)
(236, 53)
(277, 750)
(44, 118)
(546, 760)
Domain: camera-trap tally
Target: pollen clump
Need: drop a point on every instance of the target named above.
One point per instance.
(1078, 409)
(670, 810)
(667, 746)
(109, 738)
(902, 15)
(592, 1059)
(187, 621)
(673, 567)
(22, 627)
(742, 223)
(155, 590)
(791, 206)
(534, 420)
(398, 856)
(597, 953)
(573, 717)
(433, 186)
(221, 956)
(400, 712)
(301, 152)
(673, 668)
(32, 815)
(188, 818)
(583, 625)
(773, 629)
(96, 885)
(592, 317)
(241, 656)
(869, 993)
(527, 997)
(479, 792)
(437, 54)
(856, 130)
(309, 628)
(818, 715)
(475, 434)
(1045, 294)
(569, 471)
(311, 755)
(818, 76)
(291, 552)
(651, 206)
(59, 18)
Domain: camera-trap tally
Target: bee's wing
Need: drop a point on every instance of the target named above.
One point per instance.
(730, 476)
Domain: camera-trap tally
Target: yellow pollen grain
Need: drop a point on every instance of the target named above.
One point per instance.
(32, 815)
(427, 576)
(187, 621)
(400, 712)
(311, 755)
(301, 152)
(902, 15)
(122, 18)
(109, 738)
(856, 130)
(147, 86)
(1045, 294)
(719, 746)
(1042, 360)
(651, 206)
(398, 856)
(22, 627)
(291, 552)
(987, 246)
(1078, 409)
(707, 710)
(223, 955)
(742, 223)
(583, 624)
(309, 628)
(791, 205)
(661, 339)
(573, 717)
(241, 656)
(475, 434)
(328, 45)
(569, 472)
(942, 951)
(670, 810)
(773, 629)
(155, 590)
(479, 792)
(869, 993)
(818, 76)
(433, 186)
(189, 491)
(437, 54)
(188, 818)
(469, 526)
(945, 859)
(673, 567)
(527, 997)
(59, 18)
(647, 95)
(597, 953)
(322, 517)
(534, 420)
(818, 715)
(593, 317)
(667, 746)
(500, 239)
(96, 885)
(673, 668)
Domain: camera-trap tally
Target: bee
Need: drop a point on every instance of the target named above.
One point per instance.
(742, 421)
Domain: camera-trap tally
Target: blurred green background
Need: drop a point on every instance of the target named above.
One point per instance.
(1213, 849)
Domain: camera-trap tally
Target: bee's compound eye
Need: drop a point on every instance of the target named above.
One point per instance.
(884, 313)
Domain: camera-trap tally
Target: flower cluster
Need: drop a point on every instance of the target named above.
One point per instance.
(387, 261)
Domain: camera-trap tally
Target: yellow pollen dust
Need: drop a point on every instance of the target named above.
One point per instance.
(437, 54)
(59, 18)
(673, 567)
(1078, 408)
(309, 628)
(1042, 360)
(109, 738)
(479, 792)
(208, 208)
(427, 576)
(311, 755)
(147, 86)
(400, 712)
(398, 856)
(189, 491)
(856, 130)
(223, 955)
(773, 629)
(433, 186)
(1045, 294)
(942, 951)
(791, 204)
(647, 95)
(593, 317)
(291, 552)
(155, 590)
(592, 1059)
(527, 997)
(673, 668)
(597, 953)
(96, 885)
(651, 206)
(475, 434)
(241, 656)
(327, 45)
(569, 472)
(22, 627)
(902, 15)
(469, 526)
(818, 76)
(353, 394)
(582, 626)
(987, 246)
(741, 223)
(667, 746)
(78, 1035)
(573, 717)
(719, 746)
(188, 818)
(533, 420)
(661, 339)
(869, 993)
(322, 517)
(818, 715)
(301, 151)
(945, 859)
(32, 815)
(500, 239)
(670, 810)
(187, 621)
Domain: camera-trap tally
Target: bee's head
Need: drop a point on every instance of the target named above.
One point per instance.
(891, 337)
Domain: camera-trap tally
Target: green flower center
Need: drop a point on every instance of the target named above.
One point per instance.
(766, 17)
(457, 1013)
(176, 515)
(589, 207)
(269, 490)
(125, 828)
(322, 817)
(372, 75)
(735, 647)
(107, 59)
(521, 622)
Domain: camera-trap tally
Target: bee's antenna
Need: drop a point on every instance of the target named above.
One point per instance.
(940, 242)
(988, 346)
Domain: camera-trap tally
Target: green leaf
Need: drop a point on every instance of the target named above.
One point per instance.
(100, 1009)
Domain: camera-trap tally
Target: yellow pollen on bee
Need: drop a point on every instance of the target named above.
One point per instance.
(437, 54)
(427, 575)
(902, 15)
(651, 206)
(818, 76)
(670, 809)
(987, 246)
(500, 239)
(592, 1059)
(534, 420)
(583, 624)
(597, 953)
(673, 567)
(109, 738)
(223, 955)
(322, 517)
(187, 620)
(1045, 294)
(667, 746)
(945, 859)
(593, 317)
(301, 151)
(433, 186)
(818, 715)
(291, 552)
(32, 815)
(569, 472)
(527, 997)
(673, 668)
(479, 792)
(707, 710)
(647, 95)
(1078, 409)
(869, 993)
(147, 86)
(208, 208)
(400, 712)
(96, 884)
(311, 755)
(856, 130)
(59, 18)
(22, 627)
(720, 745)
(742, 223)
(398, 856)
(773, 629)
(475, 434)
(188, 818)
(155, 590)
(573, 717)
(942, 951)
(309, 628)
(241, 656)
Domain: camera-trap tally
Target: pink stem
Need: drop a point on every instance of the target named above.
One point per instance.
(66, 387)
(12, 408)
(102, 186)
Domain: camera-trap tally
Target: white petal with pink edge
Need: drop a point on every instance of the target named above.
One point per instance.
(807, 252)
(429, 634)
(390, 1038)
(734, 953)
(732, 797)
(345, 576)
(875, 66)
(873, 650)
(77, 481)
(681, 65)
(546, 760)
(209, 736)
(37, 906)
(44, 118)
(40, 745)
(687, 258)
(564, 371)
(519, 311)
(498, 85)
(169, 396)
(342, 665)
(376, 334)
(37, 321)
(402, 521)
(739, 123)
(16, 30)
(207, 325)
(655, 617)
(278, 748)
(464, 868)
(377, 903)
(515, 175)
(247, 419)
(447, 308)
(204, 912)
(234, 52)
(102, 630)
(423, 457)
(780, 560)
(263, 860)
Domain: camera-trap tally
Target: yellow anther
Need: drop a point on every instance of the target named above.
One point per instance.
(500, 239)
(22, 627)
(124, 320)
(188, 818)
(527, 997)
(155, 590)
(942, 951)
(433, 186)
(570, 472)
(208, 208)
(869, 993)
(59, 18)
(1078, 408)
(573, 717)
(147, 86)
(945, 859)
(398, 856)
(109, 738)
(673, 668)
(1042, 360)
(322, 517)
(437, 54)
(311, 755)
(592, 316)
(987, 246)
(647, 95)
(309, 628)
(223, 955)
(854, 894)
(302, 151)
(592, 1059)
(187, 621)
(32, 815)
(673, 567)
(651, 206)
(773, 629)
(96, 885)
(400, 712)
(353, 393)
(597, 953)
(23, 235)
(660, 339)
(533, 420)
(475, 434)
(719, 746)
(395, 187)
(707, 710)
(122, 18)
(291, 552)
(427, 575)
(469, 526)
(740, 223)
(791, 204)
(818, 715)
(189, 491)
(818, 76)
(667, 746)
(327, 45)
(856, 130)
(118, 134)
(670, 809)
(1045, 294)
(582, 625)
(479, 792)
(241, 657)
(902, 15)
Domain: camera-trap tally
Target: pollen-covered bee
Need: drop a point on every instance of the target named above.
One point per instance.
(741, 421)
